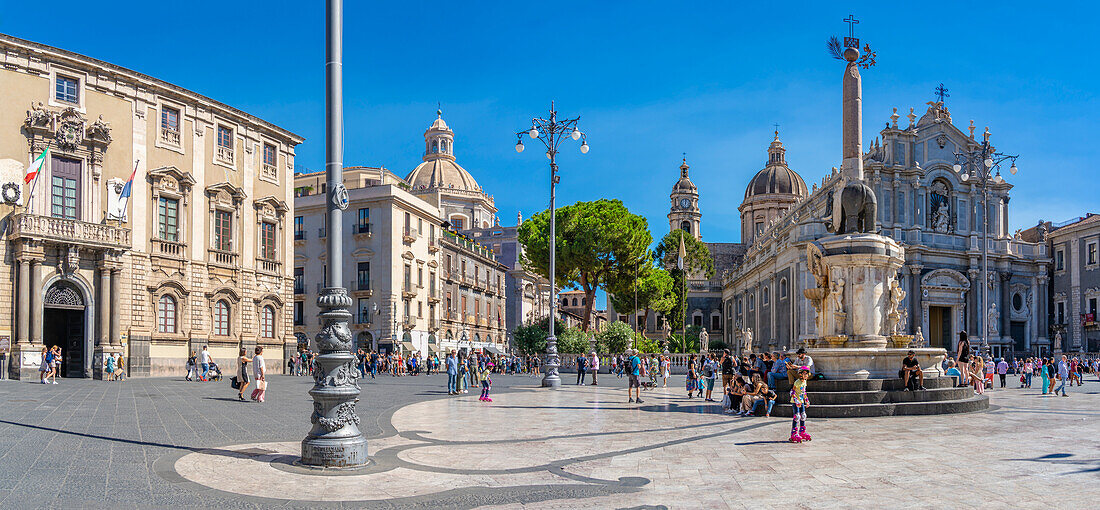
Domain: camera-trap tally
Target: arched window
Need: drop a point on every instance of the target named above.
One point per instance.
(752, 302)
(166, 314)
(782, 288)
(574, 301)
(267, 322)
(685, 226)
(564, 301)
(582, 301)
(221, 318)
(764, 298)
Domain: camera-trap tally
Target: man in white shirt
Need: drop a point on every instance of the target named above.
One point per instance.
(204, 361)
(801, 360)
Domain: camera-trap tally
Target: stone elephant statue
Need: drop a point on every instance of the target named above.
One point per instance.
(858, 207)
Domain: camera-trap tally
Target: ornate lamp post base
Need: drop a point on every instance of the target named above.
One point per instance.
(552, 379)
(335, 439)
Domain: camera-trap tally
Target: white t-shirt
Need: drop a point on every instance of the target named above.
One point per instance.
(204, 357)
(595, 362)
(258, 367)
(806, 361)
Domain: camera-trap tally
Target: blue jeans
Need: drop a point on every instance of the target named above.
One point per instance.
(1027, 379)
(452, 383)
(772, 376)
(1061, 387)
(205, 369)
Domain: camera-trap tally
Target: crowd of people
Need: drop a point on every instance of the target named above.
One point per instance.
(1055, 372)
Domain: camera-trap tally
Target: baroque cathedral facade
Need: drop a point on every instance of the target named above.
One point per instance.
(928, 208)
(923, 204)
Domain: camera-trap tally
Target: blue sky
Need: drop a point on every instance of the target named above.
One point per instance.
(650, 80)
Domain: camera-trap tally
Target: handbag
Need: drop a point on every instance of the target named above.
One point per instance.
(234, 383)
(261, 384)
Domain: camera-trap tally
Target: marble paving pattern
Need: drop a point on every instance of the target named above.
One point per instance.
(587, 447)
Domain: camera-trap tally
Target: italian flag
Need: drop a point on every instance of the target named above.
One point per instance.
(36, 166)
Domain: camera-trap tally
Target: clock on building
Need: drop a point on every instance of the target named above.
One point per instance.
(685, 203)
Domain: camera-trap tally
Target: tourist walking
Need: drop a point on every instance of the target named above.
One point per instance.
(44, 366)
(191, 368)
(204, 362)
(1044, 373)
(665, 370)
(259, 371)
(120, 369)
(634, 384)
(486, 382)
(1063, 376)
(710, 374)
(109, 368)
(1002, 371)
(962, 357)
(595, 364)
(242, 374)
(1028, 370)
(800, 401)
(582, 368)
(452, 373)
(692, 382)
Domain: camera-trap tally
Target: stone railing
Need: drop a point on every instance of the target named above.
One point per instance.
(169, 248)
(677, 363)
(268, 266)
(270, 171)
(170, 136)
(222, 258)
(46, 228)
(225, 154)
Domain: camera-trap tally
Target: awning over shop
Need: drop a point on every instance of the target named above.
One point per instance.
(492, 350)
(408, 347)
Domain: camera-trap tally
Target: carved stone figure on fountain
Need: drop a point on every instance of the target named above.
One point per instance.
(893, 317)
(819, 294)
(838, 296)
(919, 338)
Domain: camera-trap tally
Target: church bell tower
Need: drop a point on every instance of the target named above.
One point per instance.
(684, 213)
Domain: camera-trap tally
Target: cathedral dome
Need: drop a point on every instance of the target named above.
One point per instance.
(776, 177)
(439, 169)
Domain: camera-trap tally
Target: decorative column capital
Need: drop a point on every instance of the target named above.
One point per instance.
(974, 273)
(915, 269)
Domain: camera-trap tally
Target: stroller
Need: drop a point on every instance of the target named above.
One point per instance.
(215, 373)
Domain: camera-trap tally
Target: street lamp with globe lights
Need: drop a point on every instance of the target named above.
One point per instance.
(983, 165)
(551, 132)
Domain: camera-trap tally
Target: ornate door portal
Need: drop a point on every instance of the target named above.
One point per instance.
(64, 325)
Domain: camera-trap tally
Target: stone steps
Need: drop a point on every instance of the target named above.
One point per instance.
(880, 397)
(967, 405)
(852, 398)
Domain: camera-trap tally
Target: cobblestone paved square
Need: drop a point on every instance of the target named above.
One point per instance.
(170, 443)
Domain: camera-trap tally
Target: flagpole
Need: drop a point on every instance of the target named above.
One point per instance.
(34, 183)
(122, 210)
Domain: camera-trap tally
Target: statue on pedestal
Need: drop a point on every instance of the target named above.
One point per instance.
(918, 339)
(746, 341)
(818, 294)
(991, 320)
(704, 340)
(893, 316)
(1057, 341)
(941, 221)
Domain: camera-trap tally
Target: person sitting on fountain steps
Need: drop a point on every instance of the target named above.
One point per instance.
(910, 372)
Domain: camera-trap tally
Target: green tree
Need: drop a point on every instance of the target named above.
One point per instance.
(654, 287)
(698, 264)
(616, 337)
(531, 338)
(572, 341)
(596, 242)
(648, 345)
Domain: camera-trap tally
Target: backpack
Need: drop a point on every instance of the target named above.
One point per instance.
(708, 370)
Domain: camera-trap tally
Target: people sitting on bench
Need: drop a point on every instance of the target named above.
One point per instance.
(910, 368)
(953, 372)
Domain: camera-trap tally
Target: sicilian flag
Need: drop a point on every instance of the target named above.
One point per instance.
(682, 254)
(36, 166)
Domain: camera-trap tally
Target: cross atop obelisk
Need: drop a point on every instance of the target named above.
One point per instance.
(851, 41)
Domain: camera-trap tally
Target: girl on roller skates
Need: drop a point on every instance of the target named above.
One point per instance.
(799, 402)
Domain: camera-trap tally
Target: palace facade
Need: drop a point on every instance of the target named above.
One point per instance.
(196, 255)
(420, 284)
